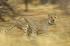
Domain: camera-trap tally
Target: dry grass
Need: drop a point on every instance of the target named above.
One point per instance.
(57, 35)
